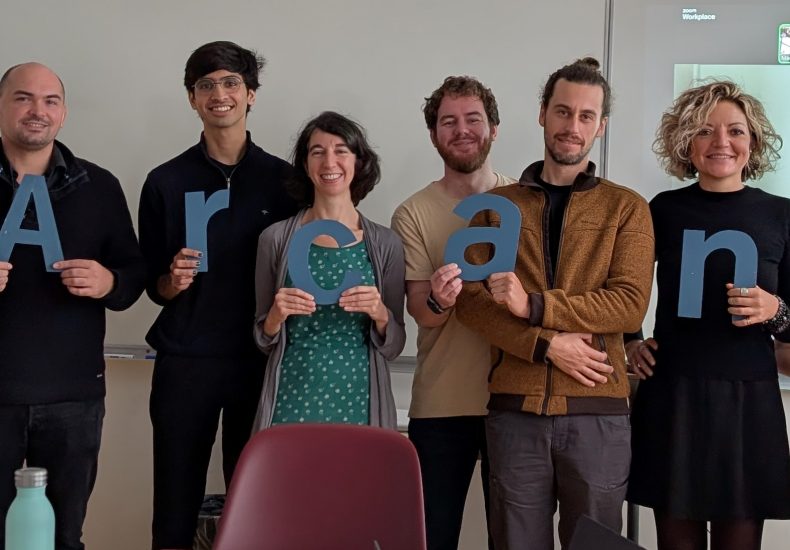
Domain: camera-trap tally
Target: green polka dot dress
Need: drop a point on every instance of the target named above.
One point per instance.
(325, 371)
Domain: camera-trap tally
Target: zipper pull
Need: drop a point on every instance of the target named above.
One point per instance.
(227, 181)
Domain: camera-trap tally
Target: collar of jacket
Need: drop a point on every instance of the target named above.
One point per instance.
(584, 180)
(204, 149)
(66, 173)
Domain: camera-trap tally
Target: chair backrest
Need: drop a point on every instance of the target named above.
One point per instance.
(324, 486)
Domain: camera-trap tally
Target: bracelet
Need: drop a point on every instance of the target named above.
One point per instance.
(779, 322)
(434, 306)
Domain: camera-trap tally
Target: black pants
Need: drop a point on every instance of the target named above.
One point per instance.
(64, 438)
(187, 396)
(448, 449)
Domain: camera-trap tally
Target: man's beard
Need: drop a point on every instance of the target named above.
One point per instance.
(466, 164)
(568, 159)
(33, 141)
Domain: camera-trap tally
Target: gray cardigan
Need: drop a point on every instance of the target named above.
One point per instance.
(386, 254)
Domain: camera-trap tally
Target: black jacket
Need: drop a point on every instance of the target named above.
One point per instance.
(214, 316)
(51, 342)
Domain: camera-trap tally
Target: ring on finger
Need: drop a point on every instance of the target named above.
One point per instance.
(744, 291)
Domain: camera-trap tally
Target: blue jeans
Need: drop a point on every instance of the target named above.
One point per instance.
(64, 438)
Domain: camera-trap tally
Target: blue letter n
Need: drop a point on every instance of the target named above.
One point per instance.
(692, 265)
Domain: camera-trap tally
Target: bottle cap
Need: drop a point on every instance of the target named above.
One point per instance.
(30, 477)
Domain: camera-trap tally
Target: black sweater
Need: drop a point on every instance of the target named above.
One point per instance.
(51, 342)
(712, 346)
(214, 316)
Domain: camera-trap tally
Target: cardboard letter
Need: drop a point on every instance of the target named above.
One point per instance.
(46, 236)
(692, 265)
(299, 259)
(198, 212)
(504, 238)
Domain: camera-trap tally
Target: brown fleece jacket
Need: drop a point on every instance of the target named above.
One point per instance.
(601, 285)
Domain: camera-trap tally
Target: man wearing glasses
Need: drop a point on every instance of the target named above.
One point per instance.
(207, 361)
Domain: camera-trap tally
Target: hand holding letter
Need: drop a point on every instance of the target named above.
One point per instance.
(86, 278)
(287, 302)
(753, 305)
(446, 285)
(183, 268)
(366, 299)
(5, 267)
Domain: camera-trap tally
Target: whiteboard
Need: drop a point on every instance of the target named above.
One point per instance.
(123, 62)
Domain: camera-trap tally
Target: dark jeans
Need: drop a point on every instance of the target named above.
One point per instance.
(578, 461)
(64, 438)
(448, 449)
(187, 396)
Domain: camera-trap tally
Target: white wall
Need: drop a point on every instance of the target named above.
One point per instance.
(123, 62)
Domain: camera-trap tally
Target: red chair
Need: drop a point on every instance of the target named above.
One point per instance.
(324, 487)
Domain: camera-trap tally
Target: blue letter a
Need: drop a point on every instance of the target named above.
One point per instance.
(504, 238)
(46, 236)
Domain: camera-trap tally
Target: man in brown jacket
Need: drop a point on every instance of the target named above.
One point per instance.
(558, 427)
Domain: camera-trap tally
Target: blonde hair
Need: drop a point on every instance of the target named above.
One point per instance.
(688, 114)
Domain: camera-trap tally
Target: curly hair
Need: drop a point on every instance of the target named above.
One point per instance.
(582, 71)
(460, 86)
(688, 114)
(367, 171)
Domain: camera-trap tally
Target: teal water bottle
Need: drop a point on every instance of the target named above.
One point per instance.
(30, 522)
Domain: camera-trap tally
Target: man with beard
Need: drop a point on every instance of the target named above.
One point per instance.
(449, 393)
(52, 324)
(558, 427)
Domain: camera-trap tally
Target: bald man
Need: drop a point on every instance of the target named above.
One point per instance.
(52, 322)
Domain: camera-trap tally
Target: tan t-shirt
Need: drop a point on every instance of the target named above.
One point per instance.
(452, 361)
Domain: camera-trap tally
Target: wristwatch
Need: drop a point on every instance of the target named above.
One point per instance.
(434, 306)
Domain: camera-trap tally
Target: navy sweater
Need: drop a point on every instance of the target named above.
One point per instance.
(51, 342)
(214, 316)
